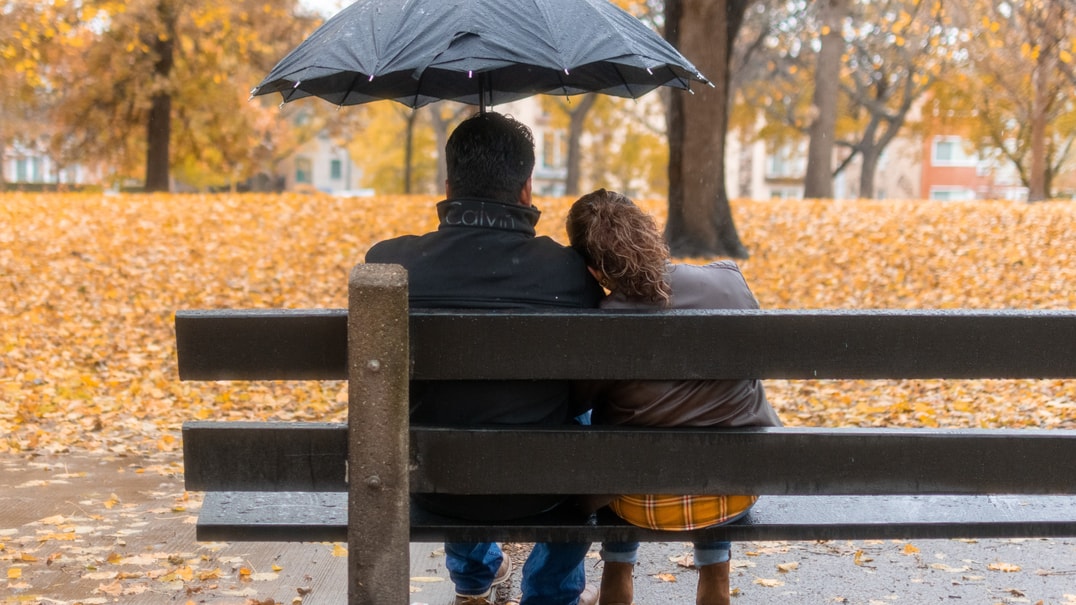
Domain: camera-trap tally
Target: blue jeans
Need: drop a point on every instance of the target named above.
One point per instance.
(553, 574)
(706, 553)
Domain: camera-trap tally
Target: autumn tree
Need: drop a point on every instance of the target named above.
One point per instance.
(627, 147)
(700, 221)
(899, 50)
(822, 131)
(576, 109)
(172, 91)
(397, 148)
(1020, 55)
(893, 52)
(29, 51)
(444, 116)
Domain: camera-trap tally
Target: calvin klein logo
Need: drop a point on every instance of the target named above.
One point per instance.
(457, 214)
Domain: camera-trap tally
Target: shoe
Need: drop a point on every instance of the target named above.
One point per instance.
(503, 572)
(713, 588)
(617, 584)
(589, 596)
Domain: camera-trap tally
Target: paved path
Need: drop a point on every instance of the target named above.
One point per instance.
(107, 529)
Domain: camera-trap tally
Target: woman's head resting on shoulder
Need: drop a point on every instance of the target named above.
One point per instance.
(621, 244)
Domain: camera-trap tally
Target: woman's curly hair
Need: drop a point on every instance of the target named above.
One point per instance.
(617, 238)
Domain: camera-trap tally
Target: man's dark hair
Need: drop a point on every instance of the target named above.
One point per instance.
(489, 155)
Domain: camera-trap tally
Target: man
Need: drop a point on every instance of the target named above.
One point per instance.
(485, 255)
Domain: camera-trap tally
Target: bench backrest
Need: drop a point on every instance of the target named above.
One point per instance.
(313, 344)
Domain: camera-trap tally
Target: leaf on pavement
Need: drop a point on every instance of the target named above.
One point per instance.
(769, 582)
(665, 577)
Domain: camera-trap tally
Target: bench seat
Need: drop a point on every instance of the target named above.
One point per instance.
(322, 517)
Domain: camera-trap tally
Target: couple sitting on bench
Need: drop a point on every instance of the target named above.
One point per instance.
(485, 254)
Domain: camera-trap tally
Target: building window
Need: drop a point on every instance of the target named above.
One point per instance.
(787, 162)
(553, 149)
(336, 170)
(303, 169)
(949, 151)
(951, 194)
(786, 193)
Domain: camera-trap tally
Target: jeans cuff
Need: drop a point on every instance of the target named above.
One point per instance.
(488, 592)
(709, 557)
(610, 556)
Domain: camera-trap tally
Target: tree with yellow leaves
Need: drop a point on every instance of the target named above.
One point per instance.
(1019, 58)
(147, 85)
(891, 52)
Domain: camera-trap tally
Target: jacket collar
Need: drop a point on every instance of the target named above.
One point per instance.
(487, 213)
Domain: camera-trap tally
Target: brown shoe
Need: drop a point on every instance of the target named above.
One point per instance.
(503, 572)
(617, 584)
(713, 588)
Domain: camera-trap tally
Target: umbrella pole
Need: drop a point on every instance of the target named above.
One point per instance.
(484, 87)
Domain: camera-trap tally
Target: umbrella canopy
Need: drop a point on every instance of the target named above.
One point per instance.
(482, 52)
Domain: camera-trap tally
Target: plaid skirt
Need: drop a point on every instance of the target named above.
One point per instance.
(680, 513)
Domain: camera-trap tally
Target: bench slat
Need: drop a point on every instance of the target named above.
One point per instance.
(240, 456)
(265, 456)
(317, 517)
(311, 344)
(262, 344)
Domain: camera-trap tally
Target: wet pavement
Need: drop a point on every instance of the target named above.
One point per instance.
(99, 529)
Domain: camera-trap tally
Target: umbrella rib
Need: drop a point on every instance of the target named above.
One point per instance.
(624, 82)
(350, 89)
(291, 93)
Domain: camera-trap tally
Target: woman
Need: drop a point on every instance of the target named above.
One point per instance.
(626, 252)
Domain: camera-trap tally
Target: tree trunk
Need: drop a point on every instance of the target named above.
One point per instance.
(440, 132)
(700, 219)
(440, 137)
(409, 151)
(818, 182)
(577, 119)
(870, 158)
(159, 122)
(1042, 98)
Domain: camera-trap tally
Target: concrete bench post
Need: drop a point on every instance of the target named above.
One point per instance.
(378, 532)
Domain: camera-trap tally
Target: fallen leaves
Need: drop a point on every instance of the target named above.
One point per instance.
(88, 285)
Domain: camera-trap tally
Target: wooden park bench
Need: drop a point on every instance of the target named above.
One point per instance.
(303, 481)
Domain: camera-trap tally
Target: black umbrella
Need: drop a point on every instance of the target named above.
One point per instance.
(482, 52)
